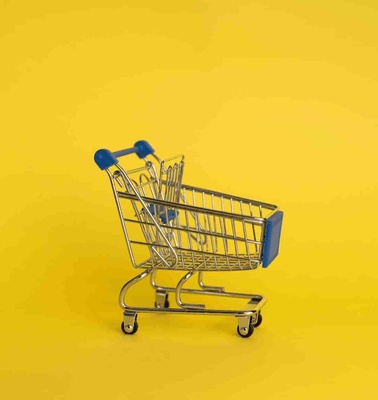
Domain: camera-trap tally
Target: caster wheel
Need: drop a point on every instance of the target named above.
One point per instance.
(259, 320)
(128, 330)
(245, 332)
(166, 303)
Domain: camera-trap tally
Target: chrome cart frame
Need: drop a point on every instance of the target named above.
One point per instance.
(171, 226)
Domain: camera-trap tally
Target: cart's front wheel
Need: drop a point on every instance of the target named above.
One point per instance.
(245, 332)
(259, 320)
(129, 329)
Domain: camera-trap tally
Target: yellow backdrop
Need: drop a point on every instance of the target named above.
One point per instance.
(267, 99)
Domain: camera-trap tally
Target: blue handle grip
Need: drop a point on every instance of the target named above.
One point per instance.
(105, 158)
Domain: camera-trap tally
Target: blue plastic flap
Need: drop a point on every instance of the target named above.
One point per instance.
(272, 238)
(168, 216)
(165, 216)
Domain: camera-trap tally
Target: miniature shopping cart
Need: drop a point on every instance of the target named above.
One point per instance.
(171, 226)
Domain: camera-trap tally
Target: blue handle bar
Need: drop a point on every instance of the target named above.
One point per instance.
(105, 158)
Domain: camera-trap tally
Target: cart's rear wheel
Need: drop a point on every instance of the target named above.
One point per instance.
(259, 320)
(166, 304)
(128, 329)
(245, 332)
(158, 304)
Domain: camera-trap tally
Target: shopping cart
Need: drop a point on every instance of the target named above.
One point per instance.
(171, 226)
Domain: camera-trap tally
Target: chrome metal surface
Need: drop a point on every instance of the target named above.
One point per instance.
(256, 302)
(206, 287)
(129, 321)
(171, 226)
(243, 323)
(160, 299)
(192, 306)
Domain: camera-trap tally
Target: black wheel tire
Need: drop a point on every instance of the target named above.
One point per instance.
(247, 334)
(259, 320)
(131, 332)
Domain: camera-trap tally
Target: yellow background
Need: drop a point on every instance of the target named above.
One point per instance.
(274, 100)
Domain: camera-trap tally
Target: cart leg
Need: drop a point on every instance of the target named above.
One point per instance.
(127, 286)
(178, 293)
(161, 292)
(155, 285)
(217, 289)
